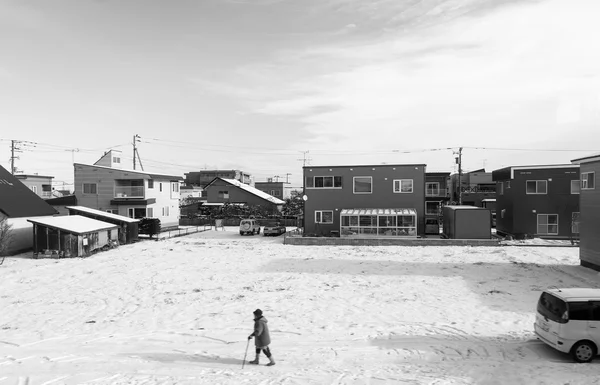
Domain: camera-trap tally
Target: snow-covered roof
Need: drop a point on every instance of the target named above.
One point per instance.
(101, 213)
(378, 212)
(254, 191)
(76, 224)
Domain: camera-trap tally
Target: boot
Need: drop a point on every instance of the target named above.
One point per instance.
(255, 362)
(271, 361)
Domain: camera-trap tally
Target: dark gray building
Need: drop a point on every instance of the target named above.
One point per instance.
(589, 205)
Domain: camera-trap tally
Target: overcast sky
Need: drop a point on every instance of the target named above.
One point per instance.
(250, 84)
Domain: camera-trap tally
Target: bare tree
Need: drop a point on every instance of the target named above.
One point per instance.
(5, 237)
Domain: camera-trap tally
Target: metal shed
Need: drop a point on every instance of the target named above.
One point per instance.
(128, 227)
(467, 222)
(71, 236)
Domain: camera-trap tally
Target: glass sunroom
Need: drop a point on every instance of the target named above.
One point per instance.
(360, 223)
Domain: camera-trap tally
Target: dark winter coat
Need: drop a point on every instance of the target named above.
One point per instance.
(261, 334)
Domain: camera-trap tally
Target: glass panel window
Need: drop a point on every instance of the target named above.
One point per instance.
(537, 187)
(323, 182)
(150, 183)
(319, 182)
(309, 182)
(432, 189)
(90, 188)
(337, 181)
(363, 185)
(403, 185)
(547, 224)
(324, 216)
(587, 180)
(224, 194)
(432, 208)
(367, 220)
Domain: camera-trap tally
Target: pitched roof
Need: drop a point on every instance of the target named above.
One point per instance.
(588, 158)
(17, 200)
(149, 175)
(100, 213)
(76, 224)
(251, 190)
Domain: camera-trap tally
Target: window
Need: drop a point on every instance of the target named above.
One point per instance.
(90, 188)
(160, 187)
(501, 188)
(116, 159)
(34, 189)
(323, 182)
(112, 211)
(432, 208)
(575, 222)
(595, 311)
(403, 185)
(277, 193)
(322, 216)
(165, 211)
(150, 183)
(137, 213)
(537, 187)
(575, 186)
(273, 192)
(224, 194)
(432, 189)
(580, 311)
(547, 224)
(507, 184)
(150, 212)
(587, 181)
(174, 187)
(363, 184)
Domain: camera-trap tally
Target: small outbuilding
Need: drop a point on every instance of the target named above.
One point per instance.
(128, 227)
(467, 222)
(71, 236)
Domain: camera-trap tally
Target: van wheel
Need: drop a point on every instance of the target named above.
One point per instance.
(583, 351)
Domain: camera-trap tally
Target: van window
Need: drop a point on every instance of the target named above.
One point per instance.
(552, 307)
(595, 311)
(580, 311)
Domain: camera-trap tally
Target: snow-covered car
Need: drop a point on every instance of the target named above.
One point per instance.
(569, 321)
(249, 226)
(273, 228)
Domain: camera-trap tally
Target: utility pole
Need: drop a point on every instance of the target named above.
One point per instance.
(135, 139)
(460, 176)
(73, 151)
(13, 149)
(304, 159)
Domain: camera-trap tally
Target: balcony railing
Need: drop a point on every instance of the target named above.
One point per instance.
(129, 191)
(442, 192)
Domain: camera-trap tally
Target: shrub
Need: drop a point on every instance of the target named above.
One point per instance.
(149, 226)
(5, 235)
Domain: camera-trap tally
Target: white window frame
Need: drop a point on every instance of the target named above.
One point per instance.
(149, 212)
(538, 224)
(361, 192)
(537, 181)
(319, 216)
(165, 211)
(576, 183)
(34, 189)
(585, 183)
(399, 182)
(174, 187)
(436, 188)
(89, 184)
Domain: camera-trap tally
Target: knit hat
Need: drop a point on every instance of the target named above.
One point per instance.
(257, 312)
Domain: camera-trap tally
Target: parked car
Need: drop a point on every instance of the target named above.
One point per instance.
(249, 226)
(569, 321)
(273, 228)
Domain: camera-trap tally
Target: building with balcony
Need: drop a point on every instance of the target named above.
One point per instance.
(204, 177)
(437, 195)
(107, 186)
(365, 201)
(537, 201)
(474, 188)
(41, 185)
(589, 206)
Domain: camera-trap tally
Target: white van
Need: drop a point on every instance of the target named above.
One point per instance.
(569, 321)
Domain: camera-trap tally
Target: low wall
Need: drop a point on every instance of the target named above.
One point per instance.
(324, 241)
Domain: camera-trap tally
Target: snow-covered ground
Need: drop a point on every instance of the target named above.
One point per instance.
(179, 311)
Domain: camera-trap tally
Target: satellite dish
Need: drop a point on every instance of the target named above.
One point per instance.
(304, 198)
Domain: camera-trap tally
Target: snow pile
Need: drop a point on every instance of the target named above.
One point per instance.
(179, 311)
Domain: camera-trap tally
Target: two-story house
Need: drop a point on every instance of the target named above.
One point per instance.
(221, 190)
(474, 187)
(539, 201)
(39, 184)
(107, 186)
(589, 205)
(365, 201)
(436, 196)
(204, 177)
(279, 190)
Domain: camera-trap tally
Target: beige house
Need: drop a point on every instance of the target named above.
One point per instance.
(109, 187)
(41, 185)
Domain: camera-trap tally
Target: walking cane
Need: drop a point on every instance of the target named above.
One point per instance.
(243, 362)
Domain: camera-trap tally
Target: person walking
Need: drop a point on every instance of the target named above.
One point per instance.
(262, 338)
